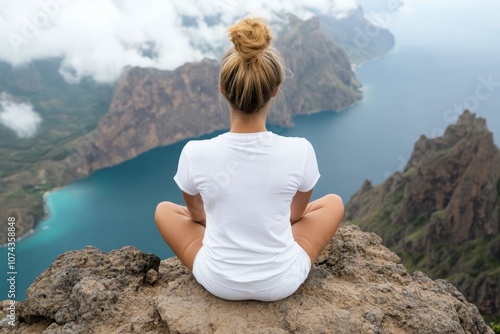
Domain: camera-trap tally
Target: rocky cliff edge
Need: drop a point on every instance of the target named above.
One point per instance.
(441, 214)
(356, 286)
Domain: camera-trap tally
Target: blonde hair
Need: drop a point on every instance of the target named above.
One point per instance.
(252, 69)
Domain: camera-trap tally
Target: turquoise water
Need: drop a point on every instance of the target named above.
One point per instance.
(409, 92)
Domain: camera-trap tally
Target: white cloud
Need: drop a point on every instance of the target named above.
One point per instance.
(340, 8)
(99, 37)
(19, 117)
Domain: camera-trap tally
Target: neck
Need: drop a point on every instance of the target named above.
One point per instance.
(244, 123)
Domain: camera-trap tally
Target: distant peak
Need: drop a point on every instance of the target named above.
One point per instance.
(469, 120)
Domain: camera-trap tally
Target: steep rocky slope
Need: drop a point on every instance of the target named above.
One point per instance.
(442, 213)
(151, 108)
(356, 286)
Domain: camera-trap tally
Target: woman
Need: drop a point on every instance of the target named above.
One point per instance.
(248, 230)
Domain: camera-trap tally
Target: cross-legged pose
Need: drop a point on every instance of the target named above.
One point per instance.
(248, 230)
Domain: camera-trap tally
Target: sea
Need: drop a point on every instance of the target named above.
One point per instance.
(446, 59)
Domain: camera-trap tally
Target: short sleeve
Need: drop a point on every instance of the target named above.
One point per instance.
(184, 177)
(310, 171)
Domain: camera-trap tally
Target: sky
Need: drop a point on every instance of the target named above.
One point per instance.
(450, 25)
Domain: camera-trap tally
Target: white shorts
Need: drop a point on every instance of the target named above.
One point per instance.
(271, 289)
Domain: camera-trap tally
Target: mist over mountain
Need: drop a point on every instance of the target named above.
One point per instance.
(359, 37)
(99, 38)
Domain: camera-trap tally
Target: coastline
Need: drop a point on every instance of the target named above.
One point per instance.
(24, 235)
(20, 231)
(357, 66)
(46, 210)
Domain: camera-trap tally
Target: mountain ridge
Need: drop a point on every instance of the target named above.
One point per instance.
(441, 214)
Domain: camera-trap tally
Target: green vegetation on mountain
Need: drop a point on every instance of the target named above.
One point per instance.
(495, 327)
(68, 111)
(442, 213)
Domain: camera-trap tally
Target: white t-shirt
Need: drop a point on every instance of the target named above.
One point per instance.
(247, 182)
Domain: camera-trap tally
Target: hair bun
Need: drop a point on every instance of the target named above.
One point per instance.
(250, 36)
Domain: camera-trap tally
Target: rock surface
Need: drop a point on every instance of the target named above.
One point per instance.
(442, 213)
(356, 286)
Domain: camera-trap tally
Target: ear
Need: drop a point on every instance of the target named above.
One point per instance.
(275, 91)
(221, 90)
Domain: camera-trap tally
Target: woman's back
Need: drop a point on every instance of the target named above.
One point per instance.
(247, 182)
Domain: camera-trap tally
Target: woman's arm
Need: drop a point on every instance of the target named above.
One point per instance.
(194, 205)
(299, 205)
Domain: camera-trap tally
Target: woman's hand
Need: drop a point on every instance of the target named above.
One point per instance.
(195, 207)
(299, 205)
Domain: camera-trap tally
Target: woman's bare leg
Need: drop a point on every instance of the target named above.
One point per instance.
(319, 224)
(179, 231)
